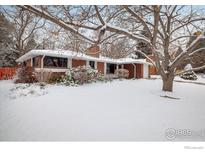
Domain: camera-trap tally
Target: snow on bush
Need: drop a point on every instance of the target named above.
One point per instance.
(81, 75)
(25, 75)
(188, 67)
(122, 73)
(20, 90)
(189, 74)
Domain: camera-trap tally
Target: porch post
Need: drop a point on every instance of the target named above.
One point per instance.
(117, 67)
(87, 63)
(105, 68)
(69, 63)
(41, 72)
(31, 62)
(42, 65)
(96, 65)
(145, 71)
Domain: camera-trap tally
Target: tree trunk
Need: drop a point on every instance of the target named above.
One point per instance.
(168, 83)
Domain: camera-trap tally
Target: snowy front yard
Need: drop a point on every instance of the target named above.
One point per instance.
(128, 110)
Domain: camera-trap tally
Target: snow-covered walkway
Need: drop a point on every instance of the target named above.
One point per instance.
(128, 110)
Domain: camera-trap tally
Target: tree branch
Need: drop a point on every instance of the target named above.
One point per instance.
(54, 20)
(139, 18)
(99, 16)
(193, 69)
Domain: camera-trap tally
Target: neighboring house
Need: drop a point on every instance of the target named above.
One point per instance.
(197, 59)
(58, 61)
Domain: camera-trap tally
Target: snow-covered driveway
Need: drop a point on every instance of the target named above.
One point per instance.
(128, 110)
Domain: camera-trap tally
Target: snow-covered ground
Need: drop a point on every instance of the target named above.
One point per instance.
(200, 78)
(128, 110)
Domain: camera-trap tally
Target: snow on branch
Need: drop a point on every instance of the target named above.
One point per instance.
(193, 69)
(99, 16)
(146, 57)
(194, 42)
(186, 51)
(195, 51)
(53, 19)
(127, 33)
(139, 18)
(180, 37)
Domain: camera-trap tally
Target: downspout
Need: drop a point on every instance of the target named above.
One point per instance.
(134, 70)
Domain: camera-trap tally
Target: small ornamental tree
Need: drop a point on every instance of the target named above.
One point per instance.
(188, 74)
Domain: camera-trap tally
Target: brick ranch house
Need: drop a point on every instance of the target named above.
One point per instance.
(58, 61)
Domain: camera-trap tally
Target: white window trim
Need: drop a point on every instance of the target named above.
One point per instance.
(51, 69)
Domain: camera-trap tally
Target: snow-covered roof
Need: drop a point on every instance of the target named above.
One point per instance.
(79, 55)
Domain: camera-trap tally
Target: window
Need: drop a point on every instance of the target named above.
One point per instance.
(111, 68)
(35, 62)
(55, 62)
(92, 64)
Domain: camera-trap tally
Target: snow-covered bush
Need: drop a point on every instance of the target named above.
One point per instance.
(67, 79)
(81, 75)
(189, 74)
(25, 75)
(122, 73)
(26, 89)
(52, 77)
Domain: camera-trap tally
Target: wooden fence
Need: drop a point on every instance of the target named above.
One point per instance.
(7, 72)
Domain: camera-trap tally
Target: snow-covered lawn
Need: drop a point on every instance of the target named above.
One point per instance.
(128, 110)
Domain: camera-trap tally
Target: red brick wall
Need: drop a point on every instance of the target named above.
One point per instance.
(28, 63)
(130, 68)
(38, 58)
(76, 63)
(100, 67)
(139, 70)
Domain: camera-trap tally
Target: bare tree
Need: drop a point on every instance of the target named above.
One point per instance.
(7, 54)
(165, 26)
(118, 47)
(26, 25)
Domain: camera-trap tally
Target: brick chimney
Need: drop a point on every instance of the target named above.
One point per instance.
(93, 51)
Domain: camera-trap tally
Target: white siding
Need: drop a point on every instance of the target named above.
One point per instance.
(145, 71)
